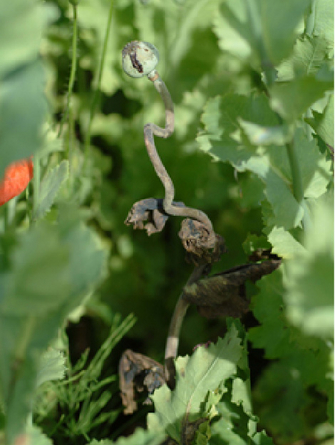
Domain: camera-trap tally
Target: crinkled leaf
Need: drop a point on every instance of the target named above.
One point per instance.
(204, 371)
(307, 58)
(49, 188)
(52, 367)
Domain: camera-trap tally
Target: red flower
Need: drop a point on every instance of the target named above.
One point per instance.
(17, 177)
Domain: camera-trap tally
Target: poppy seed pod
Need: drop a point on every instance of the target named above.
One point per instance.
(139, 58)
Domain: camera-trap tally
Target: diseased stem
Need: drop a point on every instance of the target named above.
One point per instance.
(149, 131)
(172, 342)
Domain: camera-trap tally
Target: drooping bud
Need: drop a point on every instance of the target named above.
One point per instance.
(139, 58)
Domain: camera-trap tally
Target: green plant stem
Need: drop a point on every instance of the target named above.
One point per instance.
(96, 88)
(36, 182)
(172, 342)
(310, 22)
(298, 191)
(20, 351)
(73, 69)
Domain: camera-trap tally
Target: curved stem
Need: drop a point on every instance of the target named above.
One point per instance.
(172, 342)
(149, 131)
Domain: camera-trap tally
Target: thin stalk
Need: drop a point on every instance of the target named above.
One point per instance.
(151, 130)
(172, 342)
(73, 69)
(96, 87)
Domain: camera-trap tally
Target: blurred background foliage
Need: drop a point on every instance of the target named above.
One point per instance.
(100, 134)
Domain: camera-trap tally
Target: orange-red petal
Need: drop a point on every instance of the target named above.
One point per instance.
(17, 177)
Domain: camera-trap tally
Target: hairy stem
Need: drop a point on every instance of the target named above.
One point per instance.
(172, 342)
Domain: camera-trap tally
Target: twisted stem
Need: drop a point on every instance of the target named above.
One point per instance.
(151, 130)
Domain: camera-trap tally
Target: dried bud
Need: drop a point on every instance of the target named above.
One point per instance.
(139, 58)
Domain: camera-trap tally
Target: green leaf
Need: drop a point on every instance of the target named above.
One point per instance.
(49, 276)
(306, 59)
(224, 140)
(204, 371)
(52, 367)
(279, 387)
(310, 274)
(324, 21)
(88, 257)
(23, 109)
(22, 23)
(292, 99)
(260, 135)
(260, 32)
(284, 243)
(35, 436)
(49, 188)
(142, 437)
(323, 123)
(40, 279)
(267, 306)
(139, 437)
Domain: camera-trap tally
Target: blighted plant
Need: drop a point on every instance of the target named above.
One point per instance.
(219, 295)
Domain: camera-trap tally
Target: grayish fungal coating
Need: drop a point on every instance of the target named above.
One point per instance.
(139, 58)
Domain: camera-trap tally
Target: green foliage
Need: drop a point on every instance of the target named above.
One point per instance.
(84, 396)
(252, 83)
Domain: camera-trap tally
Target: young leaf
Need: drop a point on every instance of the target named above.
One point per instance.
(204, 371)
(52, 367)
(49, 188)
